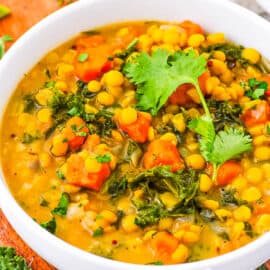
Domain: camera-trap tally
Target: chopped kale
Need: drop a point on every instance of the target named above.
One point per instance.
(208, 215)
(43, 202)
(29, 103)
(224, 236)
(226, 115)
(228, 198)
(29, 138)
(50, 226)
(248, 230)
(233, 52)
(149, 213)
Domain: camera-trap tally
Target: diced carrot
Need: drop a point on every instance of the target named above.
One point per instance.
(258, 115)
(96, 180)
(78, 176)
(138, 131)
(76, 172)
(191, 27)
(96, 64)
(161, 152)
(76, 131)
(266, 78)
(91, 142)
(262, 207)
(89, 42)
(227, 172)
(164, 243)
(180, 96)
(202, 80)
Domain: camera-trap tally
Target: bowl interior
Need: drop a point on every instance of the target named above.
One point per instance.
(238, 24)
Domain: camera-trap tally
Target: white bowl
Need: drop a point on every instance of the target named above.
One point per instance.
(239, 24)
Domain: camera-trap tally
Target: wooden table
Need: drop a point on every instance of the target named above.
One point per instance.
(25, 13)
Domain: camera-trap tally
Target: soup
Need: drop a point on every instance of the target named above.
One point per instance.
(144, 142)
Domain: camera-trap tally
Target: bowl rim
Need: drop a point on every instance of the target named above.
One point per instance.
(9, 205)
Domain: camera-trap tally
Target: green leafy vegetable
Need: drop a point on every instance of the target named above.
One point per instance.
(83, 57)
(149, 213)
(228, 198)
(255, 89)
(156, 263)
(4, 11)
(9, 260)
(248, 230)
(233, 52)
(60, 174)
(268, 129)
(103, 159)
(131, 47)
(61, 209)
(29, 103)
(3, 40)
(159, 75)
(29, 138)
(50, 226)
(225, 114)
(98, 232)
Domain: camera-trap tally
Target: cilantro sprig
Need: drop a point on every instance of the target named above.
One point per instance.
(159, 75)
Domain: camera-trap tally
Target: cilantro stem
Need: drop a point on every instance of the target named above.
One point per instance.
(205, 107)
(215, 171)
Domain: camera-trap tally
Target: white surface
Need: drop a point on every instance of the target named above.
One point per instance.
(265, 4)
(239, 25)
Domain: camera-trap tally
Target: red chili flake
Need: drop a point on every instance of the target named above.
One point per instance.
(114, 242)
(210, 63)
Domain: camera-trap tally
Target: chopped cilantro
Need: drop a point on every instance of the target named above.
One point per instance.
(61, 209)
(50, 84)
(50, 226)
(81, 134)
(60, 174)
(98, 232)
(103, 159)
(83, 57)
(255, 89)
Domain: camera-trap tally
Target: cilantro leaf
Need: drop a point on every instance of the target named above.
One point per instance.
(204, 126)
(103, 159)
(255, 89)
(159, 75)
(61, 209)
(229, 144)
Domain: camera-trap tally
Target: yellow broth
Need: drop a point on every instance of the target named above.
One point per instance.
(44, 141)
